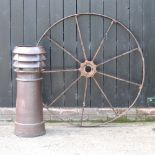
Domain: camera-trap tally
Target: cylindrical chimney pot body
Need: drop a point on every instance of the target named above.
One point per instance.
(29, 110)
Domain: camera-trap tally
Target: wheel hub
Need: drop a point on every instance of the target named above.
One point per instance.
(88, 69)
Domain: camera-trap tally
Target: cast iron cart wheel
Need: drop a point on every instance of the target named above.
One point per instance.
(89, 68)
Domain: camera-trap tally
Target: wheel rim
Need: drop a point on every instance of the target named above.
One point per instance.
(88, 68)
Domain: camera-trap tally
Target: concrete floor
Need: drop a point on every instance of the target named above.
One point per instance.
(62, 139)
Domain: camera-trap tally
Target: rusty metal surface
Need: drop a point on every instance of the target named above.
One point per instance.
(89, 68)
(29, 110)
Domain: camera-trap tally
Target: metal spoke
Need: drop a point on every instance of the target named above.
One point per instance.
(102, 41)
(62, 48)
(65, 91)
(84, 99)
(59, 71)
(81, 41)
(118, 56)
(105, 96)
(120, 79)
